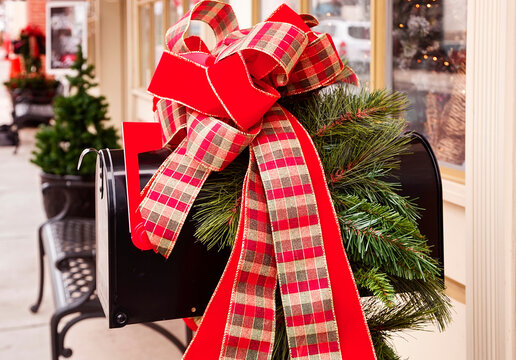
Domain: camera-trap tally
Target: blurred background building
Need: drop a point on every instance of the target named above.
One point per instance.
(456, 61)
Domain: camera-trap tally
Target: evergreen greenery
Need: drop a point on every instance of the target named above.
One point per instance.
(79, 123)
(359, 136)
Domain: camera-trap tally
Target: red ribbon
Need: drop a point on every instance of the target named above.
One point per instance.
(288, 228)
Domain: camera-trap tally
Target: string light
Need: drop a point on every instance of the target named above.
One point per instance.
(426, 56)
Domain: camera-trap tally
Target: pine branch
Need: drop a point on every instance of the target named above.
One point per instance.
(383, 193)
(377, 283)
(378, 236)
(321, 109)
(429, 294)
(217, 207)
(383, 350)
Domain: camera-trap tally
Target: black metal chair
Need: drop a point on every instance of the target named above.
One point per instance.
(69, 246)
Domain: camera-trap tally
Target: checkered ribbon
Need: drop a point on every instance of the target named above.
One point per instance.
(212, 105)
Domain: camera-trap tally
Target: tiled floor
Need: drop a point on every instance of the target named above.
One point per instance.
(24, 335)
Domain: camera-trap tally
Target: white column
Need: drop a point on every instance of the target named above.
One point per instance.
(490, 179)
(112, 57)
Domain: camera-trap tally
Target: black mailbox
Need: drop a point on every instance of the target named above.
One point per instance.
(137, 286)
(421, 180)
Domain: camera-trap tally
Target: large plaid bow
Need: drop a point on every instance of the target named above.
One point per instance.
(212, 105)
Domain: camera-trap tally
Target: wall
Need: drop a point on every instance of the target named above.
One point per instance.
(112, 68)
(15, 17)
(36, 12)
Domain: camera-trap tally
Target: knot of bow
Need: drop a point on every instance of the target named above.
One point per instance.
(214, 104)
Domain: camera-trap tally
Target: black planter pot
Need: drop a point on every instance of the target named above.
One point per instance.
(81, 198)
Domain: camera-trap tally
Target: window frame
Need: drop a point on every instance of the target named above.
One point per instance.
(93, 23)
(381, 67)
(138, 4)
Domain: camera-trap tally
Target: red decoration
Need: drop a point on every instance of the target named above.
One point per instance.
(212, 106)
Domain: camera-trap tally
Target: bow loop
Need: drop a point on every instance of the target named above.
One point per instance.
(270, 46)
(219, 16)
(172, 117)
(214, 143)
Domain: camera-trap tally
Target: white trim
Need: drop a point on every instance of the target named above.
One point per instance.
(141, 93)
(454, 193)
(490, 174)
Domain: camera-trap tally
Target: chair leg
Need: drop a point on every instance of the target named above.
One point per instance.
(67, 352)
(34, 308)
(54, 334)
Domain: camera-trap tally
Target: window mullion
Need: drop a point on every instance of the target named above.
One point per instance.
(378, 43)
(151, 37)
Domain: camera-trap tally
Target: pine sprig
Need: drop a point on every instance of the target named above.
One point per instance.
(405, 315)
(217, 208)
(378, 236)
(377, 283)
(383, 349)
(319, 110)
(428, 294)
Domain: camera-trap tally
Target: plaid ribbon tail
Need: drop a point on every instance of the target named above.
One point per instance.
(168, 197)
(250, 327)
(210, 336)
(354, 337)
(306, 291)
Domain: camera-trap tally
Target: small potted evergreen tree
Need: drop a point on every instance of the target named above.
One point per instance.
(79, 123)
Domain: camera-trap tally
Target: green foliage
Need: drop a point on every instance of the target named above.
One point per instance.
(376, 235)
(359, 136)
(377, 283)
(79, 123)
(31, 46)
(37, 82)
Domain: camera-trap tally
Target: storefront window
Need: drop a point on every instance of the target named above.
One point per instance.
(267, 7)
(349, 24)
(92, 31)
(175, 11)
(144, 26)
(429, 64)
(159, 31)
(155, 17)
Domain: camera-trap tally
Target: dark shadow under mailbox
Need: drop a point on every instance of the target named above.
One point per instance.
(137, 286)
